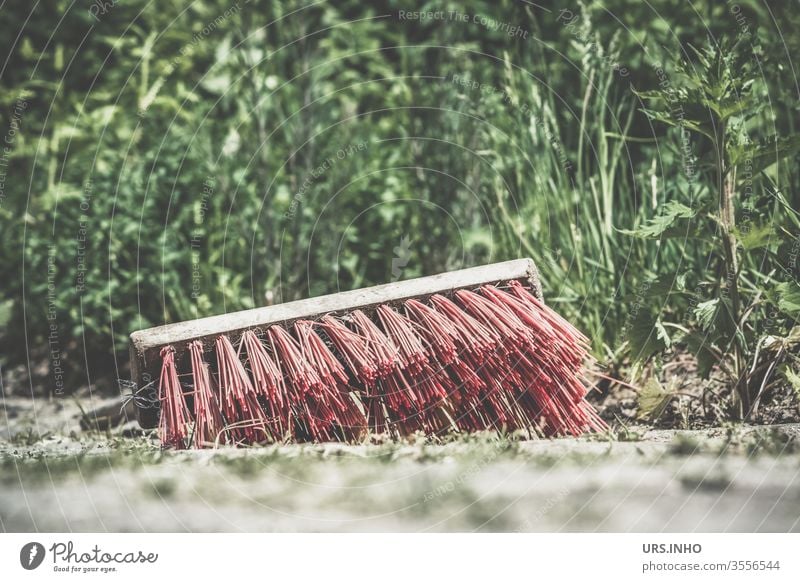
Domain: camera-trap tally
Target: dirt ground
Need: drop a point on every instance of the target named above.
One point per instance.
(57, 477)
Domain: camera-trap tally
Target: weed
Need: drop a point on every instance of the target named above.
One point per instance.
(715, 482)
(163, 488)
(684, 445)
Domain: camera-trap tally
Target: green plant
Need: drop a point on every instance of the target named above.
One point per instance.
(165, 166)
(714, 100)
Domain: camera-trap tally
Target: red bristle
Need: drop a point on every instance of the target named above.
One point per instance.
(399, 329)
(522, 374)
(499, 400)
(593, 419)
(348, 417)
(400, 404)
(554, 318)
(512, 331)
(314, 404)
(377, 416)
(208, 421)
(291, 360)
(434, 388)
(331, 395)
(353, 349)
(548, 364)
(463, 345)
(525, 377)
(247, 422)
(466, 379)
(317, 353)
(439, 331)
(425, 376)
(174, 412)
(472, 394)
(355, 352)
(300, 377)
(385, 355)
(392, 388)
(436, 421)
(474, 337)
(413, 389)
(564, 344)
(484, 354)
(269, 385)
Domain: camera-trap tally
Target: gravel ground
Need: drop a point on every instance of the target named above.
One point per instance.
(56, 477)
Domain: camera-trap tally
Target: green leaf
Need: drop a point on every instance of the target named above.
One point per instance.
(756, 237)
(776, 343)
(793, 337)
(706, 356)
(666, 118)
(653, 400)
(6, 308)
(789, 298)
(753, 158)
(706, 312)
(793, 378)
(647, 336)
(661, 287)
(716, 321)
(658, 226)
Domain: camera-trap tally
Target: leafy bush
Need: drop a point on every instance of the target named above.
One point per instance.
(172, 161)
(735, 215)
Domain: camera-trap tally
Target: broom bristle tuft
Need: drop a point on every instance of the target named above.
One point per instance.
(240, 404)
(208, 421)
(174, 412)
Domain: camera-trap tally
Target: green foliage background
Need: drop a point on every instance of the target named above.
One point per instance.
(178, 159)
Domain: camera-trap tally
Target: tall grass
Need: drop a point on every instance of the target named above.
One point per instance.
(216, 160)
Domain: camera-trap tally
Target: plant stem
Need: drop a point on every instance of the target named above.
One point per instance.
(726, 183)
